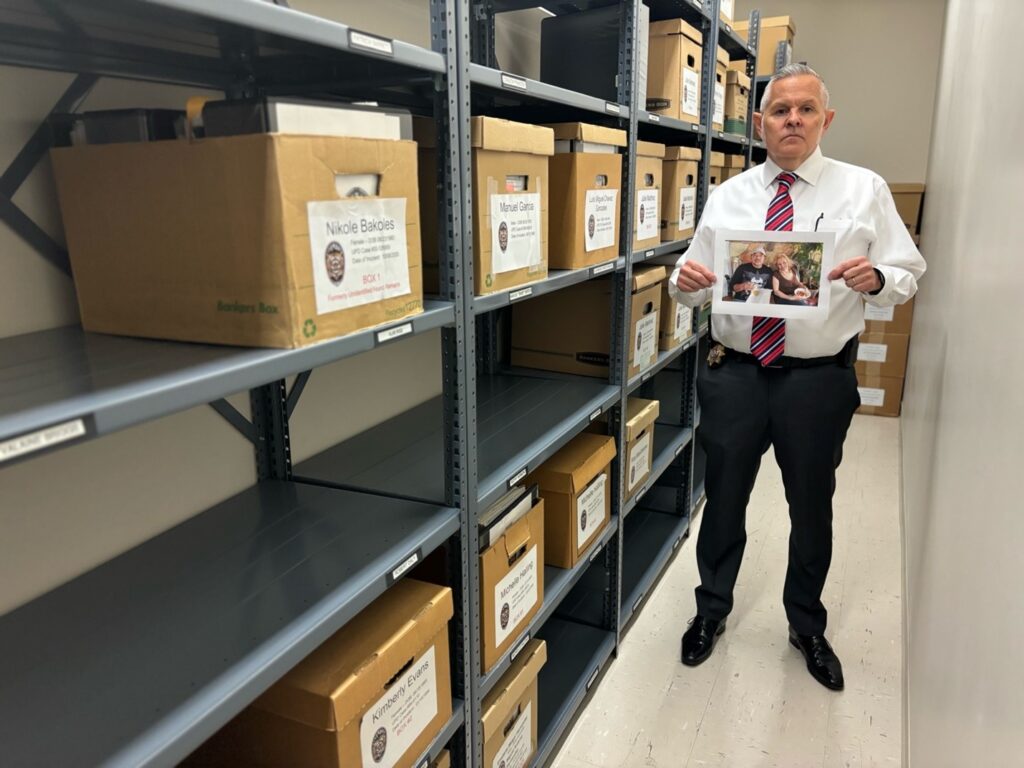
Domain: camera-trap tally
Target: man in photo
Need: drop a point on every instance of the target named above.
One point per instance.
(750, 275)
(794, 377)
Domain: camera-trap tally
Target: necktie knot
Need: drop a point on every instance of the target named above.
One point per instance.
(786, 179)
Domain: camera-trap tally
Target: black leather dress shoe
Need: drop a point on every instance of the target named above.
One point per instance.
(822, 662)
(699, 640)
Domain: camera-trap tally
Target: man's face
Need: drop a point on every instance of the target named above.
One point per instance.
(794, 121)
(757, 260)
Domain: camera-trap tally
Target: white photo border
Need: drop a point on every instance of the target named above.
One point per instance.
(722, 239)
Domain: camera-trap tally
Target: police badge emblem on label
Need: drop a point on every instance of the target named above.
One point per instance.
(334, 260)
(379, 745)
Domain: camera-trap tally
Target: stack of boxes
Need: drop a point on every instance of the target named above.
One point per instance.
(776, 44)
(737, 101)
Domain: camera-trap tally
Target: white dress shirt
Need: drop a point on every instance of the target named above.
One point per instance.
(853, 202)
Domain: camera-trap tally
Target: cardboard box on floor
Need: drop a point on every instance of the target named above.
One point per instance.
(575, 484)
(647, 201)
(774, 30)
(716, 170)
(882, 354)
(897, 319)
(510, 713)
(676, 321)
(511, 584)
(356, 701)
(674, 67)
(248, 240)
(679, 202)
(721, 77)
(879, 395)
(640, 417)
(586, 185)
(908, 199)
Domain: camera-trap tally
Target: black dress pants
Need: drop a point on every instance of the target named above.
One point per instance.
(805, 414)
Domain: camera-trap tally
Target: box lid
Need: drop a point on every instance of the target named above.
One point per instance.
(645, 277)
(507, 136)
(739, 78)
(330, 687)
(576, 464)
(735, 161)
(722, 56)
(718, 159)
(904, 188)
(640, 414)
(650, 149)
(497, 706)
(597, 134)
(770, 21)
(682, 153)
(675, 27)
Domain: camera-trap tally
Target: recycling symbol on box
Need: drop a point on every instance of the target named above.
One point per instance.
(309, 329)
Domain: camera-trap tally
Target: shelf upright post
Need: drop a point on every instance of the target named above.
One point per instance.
(753, 47)
(709, 28)
(482, 36)
(269, 413)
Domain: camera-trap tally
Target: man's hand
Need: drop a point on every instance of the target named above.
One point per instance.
(694, 276)
(859, 274)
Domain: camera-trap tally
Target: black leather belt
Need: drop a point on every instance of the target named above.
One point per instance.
(786, 362)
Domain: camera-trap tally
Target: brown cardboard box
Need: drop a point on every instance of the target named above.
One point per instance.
(721, 77)
(908, 198)
(645, 304)
(728, 173)
(673, 69)
(898, 319)
(647, 202)
(737, 96)
(240, 240)
(774, 30)
(679, 204)
(510, 713)
(716, 170)
(575, 484)
(585, 196)
(879, 395)
(640, 417)
(444, 760)
(511, 584)
(329, 710)
(676, 321)
(882, 354)
(734, 161)
(505, 154)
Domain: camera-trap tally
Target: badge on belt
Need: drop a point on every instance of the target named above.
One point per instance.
(716, 355)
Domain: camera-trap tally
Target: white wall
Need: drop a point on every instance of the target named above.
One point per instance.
(963, 410)
(880, 61)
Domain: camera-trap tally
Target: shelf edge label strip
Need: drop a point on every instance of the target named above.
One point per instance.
(519, 647)
(379, 45)
(522, 293)
(40, 440)
(600, 269)
(402, 568)
(513, 82)
(517, 477)
(593, 677)
(393, 333)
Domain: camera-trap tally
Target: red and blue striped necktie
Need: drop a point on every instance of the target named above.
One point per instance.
(768, 334)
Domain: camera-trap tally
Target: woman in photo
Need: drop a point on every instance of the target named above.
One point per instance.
(786, 285)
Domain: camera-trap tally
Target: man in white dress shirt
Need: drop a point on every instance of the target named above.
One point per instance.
(795, 377)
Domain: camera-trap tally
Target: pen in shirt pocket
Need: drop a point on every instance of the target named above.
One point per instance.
(818, 220)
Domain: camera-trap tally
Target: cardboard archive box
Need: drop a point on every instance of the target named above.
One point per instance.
(257, 240)
(897, 319)
(721, 79)
(586, 186)
(673, 72)
(444, 760)
(647, 202)
(511, 584)
(882, 354)
(879, 395)
(737, 101)
(510, 713)
(716, 171)
(644, 311)
(575, 484)
(774, 30)
(676, 321)
(734, 166)
(375, 693)
(679, 203)
(908, 198)
(640, 417)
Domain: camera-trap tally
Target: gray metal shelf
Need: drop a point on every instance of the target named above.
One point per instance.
(149, 654)
(111, 382)
(558, 582)
(692, 11)
(650, 539)
(515, 89)
(733, 43)
(441, 740)
(733, 139)
(652, 126)
(556, 280)
(664, 358)
(663, 249)
(576, 655)
(669, 442)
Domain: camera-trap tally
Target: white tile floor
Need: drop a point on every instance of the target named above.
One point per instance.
(753, 704)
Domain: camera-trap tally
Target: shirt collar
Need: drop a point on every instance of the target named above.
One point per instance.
(810, 171)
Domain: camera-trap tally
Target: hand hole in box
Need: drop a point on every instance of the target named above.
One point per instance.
(691, 62)
(357, 184)
(648, 179)
(516, 183)
(690, 180)
(517, 554)
(600, 180)
(512, 720)
(399, 673)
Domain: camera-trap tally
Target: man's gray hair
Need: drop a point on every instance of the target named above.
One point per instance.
(793, 70)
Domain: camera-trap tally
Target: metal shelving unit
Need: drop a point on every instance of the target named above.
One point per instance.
(151, 652)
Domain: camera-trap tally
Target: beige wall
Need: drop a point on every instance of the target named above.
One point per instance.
(880, 60)
(963, 411)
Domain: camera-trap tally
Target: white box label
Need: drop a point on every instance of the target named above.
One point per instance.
(398, 717)
(639, 461)
(648, 214)
(44, 438)
(691, 90)
(590, 511)
(873, 353)
(726, 7)
(719, 116)
(882, 314)
(683, 322)
(687, 207)
(599, 218)
(515, 232)
(359, 251)
(645, 342)
(871, 396)
(518, 746)
(515, 595)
